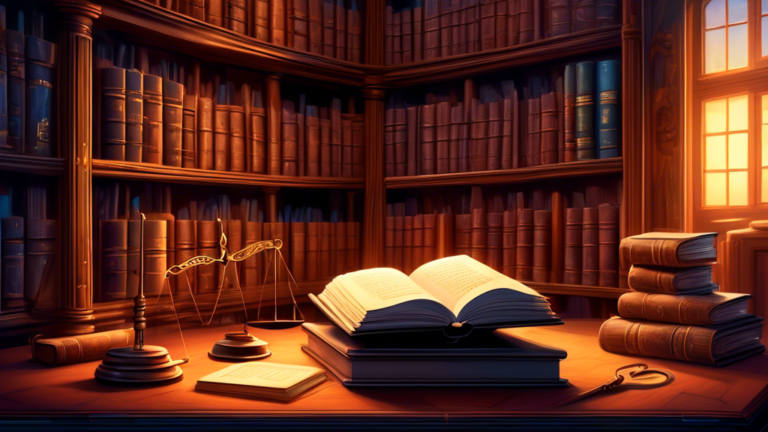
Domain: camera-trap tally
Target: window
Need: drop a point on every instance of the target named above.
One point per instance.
(726, 151)
(764, 151)
(726, 42)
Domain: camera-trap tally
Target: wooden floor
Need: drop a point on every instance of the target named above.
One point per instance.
(700, 396)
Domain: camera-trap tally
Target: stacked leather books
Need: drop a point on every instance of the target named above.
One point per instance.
(28, 263)
(333, 28)
(675, 311)
(26, 87)
(549, 120)
(419, 30)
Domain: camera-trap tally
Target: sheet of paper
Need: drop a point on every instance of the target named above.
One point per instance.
(262, 374)
(381, 288)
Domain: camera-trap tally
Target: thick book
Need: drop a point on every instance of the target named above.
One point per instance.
(542, 245)
(261, 20)
(290, 136)
(397, 47)
(486, 359)
(325, 147)
(277, 22)
(418, 30)
(77, 349)
(113, 113)
(418, 241)
(258, 145)
(718, 345)
(355, 33)
(408, 244)
(509, 243)
(315, 21)
(609, 120)
(153, 120)
(397, 259)
(41, 252)
(313, 250)
(324, 253)
(340, 23)
(570, 113)
(431, 29)
(455, 137)
(669, 249)
(297, 25)
(590, 252)
(430, 237)
(388, 33)
(389, 240)
(445, 28)
(406, 34)
(525, 244)
(509, 132)
(661, 280)
(196, 9)
(235, 16)
(155, 256)
(389, 142)
(573, 246)
(463, 234)
(337, 138)
(12, 233)
(237, 158)
(204, 133)
(313, 141)
(214, 12)
(550, 128)
(559, 17)
(487, 25)
(478, 146)
(427, 139)
(221, 137)
(173, 102)
(495, 255)
(346, 145)
(188, 144)
(329, 46)
(208, 245)
(473, 26)
(399, 136)
(495, 129)
(607, 12)
(708, 309)
(340, 257)
(412, 144)
(386, 300)
(533, 156)
(479, 245)
(40, 58)
(526, 21)
(513, 22)
(261, 380)
(443, 132)
(358, 145)
(114, 259)
(501, 23)
(585, 110)
(609, 243)
(274, 127)
(298, 254)
(582, 15)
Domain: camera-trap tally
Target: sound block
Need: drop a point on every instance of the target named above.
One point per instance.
(240, 346)
(150, 365)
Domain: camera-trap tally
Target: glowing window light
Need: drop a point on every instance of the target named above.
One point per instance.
(726, 151)
(726, 39)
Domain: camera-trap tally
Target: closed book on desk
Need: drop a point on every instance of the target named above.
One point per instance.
(188, 145)
(718, 345)
(12, 234)
(708, 309)
(153, 120)
(237, 158)
(487, 359)
(427, 139)
(525, 244)
(76, 349)
(40, 56)
(205, 157)
(290, 134)
(262, 380)
(661, 280)
(609, 119)
(113, 113)
(134, 115)
(669, 249)
(585, 110)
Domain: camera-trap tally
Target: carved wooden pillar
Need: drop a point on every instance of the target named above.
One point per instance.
(375, 192)
(632, 120)
(74, 47)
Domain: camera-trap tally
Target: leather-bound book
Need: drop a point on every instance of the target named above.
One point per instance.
(445, 28)
(134, 115)
(408, 242)
(188, 147)
(473, 26)
(558, 89)
(340, 23)
(495, 259)
(479, 234)
(341, 248)
(398, 242)
(113, 113)
(207, 245)
(4, 147)
(258, 150)
(542, 245)
(573, 248)
(261, 20)
(235, 16)
(221, 137)
(585, 110)
(455, 137)
(316, 26)
(290, 135)
(539, 26)
(153, 119)
(508, 131)
(609, 245)
(40, 56)
(430, 237)
(609, 121)
(669, 249)
(214, 12)
(313, 141)
(358, 146)
(298, 24)
(559, 17)
(400, 142)
(274, 127)
(346, 145)
(277, 22)
(445, 231)
(389, 142)
(458, 28)
(205, 133)
(406, 34)
(582, 15)
(336, 138)
(298, 253)
(42, 272)
(418, 30)
(313, 250)
(513, 22)
(412, 124)
(77, 349)
(607, 12)
(442, 153)
(523, 145)
(325, 147)
(713, 345)
(196, 9)
(353, 246)
(12, 234)
(478, 146)
(570, 113)
(550, 126)
(133, 259)
(534, 124)
(431, 29)
(14, 42)
(397, 44)
(708, 309)
(487, 24)
(329, 32)
(501, 23)
(155, 256)
(463, 234)
(186, 248)
(427, 139)
(302, 136)
(661, 280)
(389, 48)
(526, 21)
(590, 256)
(389, 241)
(355, 33)
(114, 259)
(418, 241)
(237, 155)
(525, 244)
(234, 233)
(253, 272)
(558, 237)
(324, 253)
(495, 129)
(509, 243)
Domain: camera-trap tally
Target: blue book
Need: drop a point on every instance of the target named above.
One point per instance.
(585, 110)
(609, 109)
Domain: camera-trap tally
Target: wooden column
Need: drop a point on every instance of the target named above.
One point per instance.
(632, 120)
(375, 192)
(74, 86)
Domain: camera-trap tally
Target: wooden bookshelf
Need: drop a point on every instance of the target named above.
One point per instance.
(37, 165)
(120, 170)
(510, 176)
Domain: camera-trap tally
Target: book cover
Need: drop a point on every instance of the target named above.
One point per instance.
(573, 246)
(153, 119)
(525, 234)
(443, 129)
(76, 349)
(542, 245)
(609, 109)
(188, 144)
(427, 139)
(113, 112)
(205, 157)
(235, 14)
(221, 137)
(559, 17)
(590, 269)
(585, 110)
(237, 155)
(39, 77)
(289, 134)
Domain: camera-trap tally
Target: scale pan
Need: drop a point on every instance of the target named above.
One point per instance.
(275, 325)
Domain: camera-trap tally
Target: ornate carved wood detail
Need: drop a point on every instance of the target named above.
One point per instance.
(375, 191)
(632, 120)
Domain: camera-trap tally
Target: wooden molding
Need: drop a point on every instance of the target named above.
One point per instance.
(44, 166)
(576, 290)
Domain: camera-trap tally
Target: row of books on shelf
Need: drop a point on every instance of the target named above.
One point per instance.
(313, 247)
(548, 120)
(332, 28)
(26, 87)
(29, 247)
(537, 242)
(428, 29)
(148, 115)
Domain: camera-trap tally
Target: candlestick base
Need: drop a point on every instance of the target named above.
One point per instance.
(240, 346)
(147, 366)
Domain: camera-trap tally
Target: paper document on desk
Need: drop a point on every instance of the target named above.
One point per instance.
(264, 380)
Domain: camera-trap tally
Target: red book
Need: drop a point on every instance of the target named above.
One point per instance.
(333, 249)
(353, 246)
(389, 142)
(397, 46)
(313, 250)
(336, 138)
(389, 48)
(277, 22)
(418, 33)
(559, 17)
(508, 135)
(488, 24)
(478, 146)
(412, 124)
(431, 29)
(341, 248)
(221, 137)
(582, 15)
(389, 239)
(406, 34)
(274, 127)
(430, 237)
(463, 235)
(570, 113)
(495, 129)
(501, 23)
(558, 80)
(358, 146)
(346, 145)
(398, 243)
(538, 11)
(509, 243)
(609, 245)
(313, 141)
(427, 139)
(325, 147)
(473, 26)
(495, 241)
(525, 244)
(542, 245)
(235, 16)
(456, 137)
(400, 144)
(513, 22)
(479, 235)
(261, 20)
(534, 126)
(253, 272)
(408, 259)
(204, 134)
(573, 237)
(590, 248)
(340, 20)
(418, 241)
(258, 138)
(290, 135)
(550, 128)
(298, 254)
(526, 21)
(445, 235)
(458, 28)
(443, 135)
(445, 28)
(324, 253)
(237, 156)
(354, 34)
(214, 12)
(153, 119)
(188, 132)
(297, 25)
(315, 26)
(329, 32)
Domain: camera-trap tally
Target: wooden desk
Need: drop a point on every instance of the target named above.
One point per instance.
(699, 397)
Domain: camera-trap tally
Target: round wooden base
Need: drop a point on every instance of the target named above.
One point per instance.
(240, 346)
(150, 365)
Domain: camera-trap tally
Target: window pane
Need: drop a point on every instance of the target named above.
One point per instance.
(714, 55)
(714, 116)
(714, 185)
(738, 113)
(737, 188)
(764, 9)
(738, 46)
(764, 193)
(764, 27)
(737, 151)
(715, 155)
(764, 149)
(737, 11)
(715, 13)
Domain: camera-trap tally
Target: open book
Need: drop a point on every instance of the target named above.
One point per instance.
(451, 291)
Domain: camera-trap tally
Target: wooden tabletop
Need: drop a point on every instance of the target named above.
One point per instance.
(699, 395)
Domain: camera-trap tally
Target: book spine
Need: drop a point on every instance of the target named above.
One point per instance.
(153, 119)
(412, 125)
(313, 250)
(302, 140)
(542, 245)
(399, 146)
(478, 146)
(324, 252)
(496, 241)
(550, 126)
(214, 12)
(4, 147)
(133, 260)
(539, 9)
(113, 113)
(431, 29)
(454, 139)
(78, 349)
(507, 135)
(534, 132)
(509, 243)
(355, 36)
(341, 246)
(341, 30)
(155, 256)
(408, 243)
(325, 148)
(430, 237)
(609, 129)
(329, 32)
(418, 241)
(590, 248)
(346, 146)
(463, 234)
(389, 142)
(253, 271)
(458, 28)
(573, 245)
(299, 19)
(558, 237)
(560, 95)
(526, 21)
(653, 280)
(427, 139)
(585, 110)
(522, 133)
(473, 27)
(406, 34)
(40, 56)
(570, 113)
(487, 25)
(513, 22)
(204, 134)
(173, 101)
(609, 245)
(559, 17)
(316, 26)
(277, 22)
(525, 244)
(680, 309)
(196, 9)
(114, 261)
(12, 233)
(389, 241)
(298, 253)
(389, 48)
(444, 236)
(358, 145)
(258, 141)
(445, 28)
(582, 15)
(418, 32)
(221, 137)
(41, 270)
(501, 23)
(186, 248)
(237, 161)
(207, 245)
(313, 144)
(134, 116)
(274, 127)
(397, 47)
(443, 129)
(290, 127)
(14, 42)
(479, 236)
(235, 16)
(261, 18)
(336, 138)
(495, 135)
(397, 260)
(607, 12)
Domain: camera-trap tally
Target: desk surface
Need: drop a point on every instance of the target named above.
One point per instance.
(699, 395)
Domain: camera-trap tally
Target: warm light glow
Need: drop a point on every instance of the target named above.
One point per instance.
(726, 44)
(714, 57)
(715, 189)
(737, 47)
(764, 27)
(764, 197)
(715, 155)
(737, 188)
(738, 156)
(738, 112)
(764, 144)
(737, 11)
(715, 118)
(715, 14)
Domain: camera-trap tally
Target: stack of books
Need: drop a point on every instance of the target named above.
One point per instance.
(674, 310)
(437, 326)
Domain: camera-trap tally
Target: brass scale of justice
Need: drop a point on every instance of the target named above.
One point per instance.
(150, 364)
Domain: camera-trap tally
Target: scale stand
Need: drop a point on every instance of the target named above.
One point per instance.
(140, 364)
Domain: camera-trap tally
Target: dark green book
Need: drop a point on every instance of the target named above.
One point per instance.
(585, 110)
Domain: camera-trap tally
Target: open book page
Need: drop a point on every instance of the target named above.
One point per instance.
(262, 374)
(457, 280)
(380, 288)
